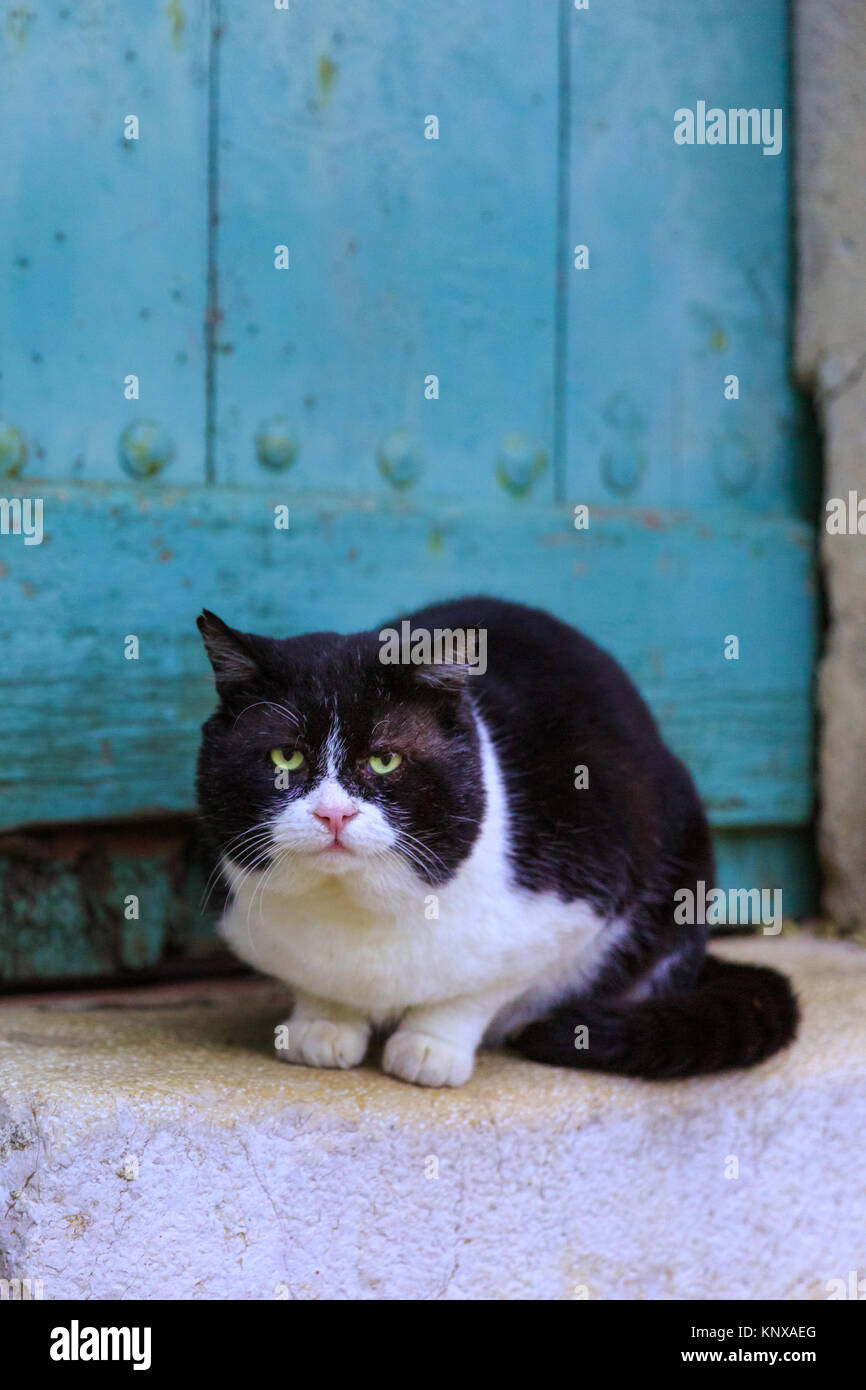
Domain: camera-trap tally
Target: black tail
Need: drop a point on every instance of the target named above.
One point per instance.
(734, 1016)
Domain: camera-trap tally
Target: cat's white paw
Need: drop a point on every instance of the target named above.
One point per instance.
(320, 1043)
(426, 1061)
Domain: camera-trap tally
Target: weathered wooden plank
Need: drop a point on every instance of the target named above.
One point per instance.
(65, 898)
(771, 858)
(689, 263)
(103, 902)
(89, 733)
(409, 256)
(104, 238)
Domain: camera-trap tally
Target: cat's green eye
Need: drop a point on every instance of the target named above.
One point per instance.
(291, 763)
(388, 763)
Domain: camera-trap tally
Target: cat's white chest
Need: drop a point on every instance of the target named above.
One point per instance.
(385, 962)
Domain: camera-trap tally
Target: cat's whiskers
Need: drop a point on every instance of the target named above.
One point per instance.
(218, 868)
(423, 856)
(243, 841)
(271, 704)
(424, 865)
(239, 884)
(244, 868)
(260, 890)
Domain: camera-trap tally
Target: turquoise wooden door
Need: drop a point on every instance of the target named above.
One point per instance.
(337, 305)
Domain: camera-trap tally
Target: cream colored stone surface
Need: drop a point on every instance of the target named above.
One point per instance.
(155, 1149)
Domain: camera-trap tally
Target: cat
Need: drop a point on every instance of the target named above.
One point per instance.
(446, 856)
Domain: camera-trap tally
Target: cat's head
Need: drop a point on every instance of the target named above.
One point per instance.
(320, 760)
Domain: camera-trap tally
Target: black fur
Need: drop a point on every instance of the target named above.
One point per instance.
(733, 1016)
(553, 701)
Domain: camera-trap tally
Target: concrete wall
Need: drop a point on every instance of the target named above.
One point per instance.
(830, 49)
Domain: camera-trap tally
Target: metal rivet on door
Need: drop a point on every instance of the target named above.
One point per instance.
(276, 446)
(400, 460)
(145, 447)
(519, 464)
(622, 469)
(13, 449)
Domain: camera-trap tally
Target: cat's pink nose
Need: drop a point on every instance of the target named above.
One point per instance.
(334, 819)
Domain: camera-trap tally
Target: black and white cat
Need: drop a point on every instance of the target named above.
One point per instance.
(408, 847)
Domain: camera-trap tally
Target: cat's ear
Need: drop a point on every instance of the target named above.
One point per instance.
(229, 652)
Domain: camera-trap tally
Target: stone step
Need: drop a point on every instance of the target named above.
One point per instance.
(152, 1148)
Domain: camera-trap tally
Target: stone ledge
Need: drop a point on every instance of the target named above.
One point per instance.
(151, 1147)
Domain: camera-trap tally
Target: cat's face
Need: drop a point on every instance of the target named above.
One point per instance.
(320, 760)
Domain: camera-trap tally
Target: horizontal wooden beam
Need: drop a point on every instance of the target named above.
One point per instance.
(88, 733)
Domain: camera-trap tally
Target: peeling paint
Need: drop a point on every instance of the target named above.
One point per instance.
(78, 1223)
(327, 75)
(174, 10)
(62, 893)
(18, 25)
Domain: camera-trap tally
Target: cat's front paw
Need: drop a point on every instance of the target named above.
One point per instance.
(321, 1043)
(426, 1061)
